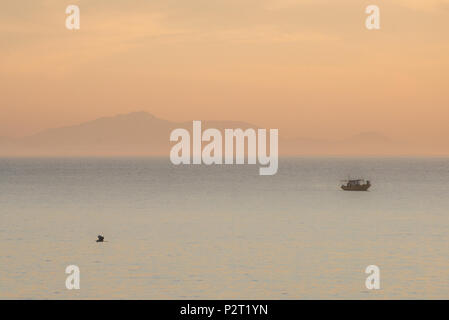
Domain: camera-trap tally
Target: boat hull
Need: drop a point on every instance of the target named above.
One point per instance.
(363, 187)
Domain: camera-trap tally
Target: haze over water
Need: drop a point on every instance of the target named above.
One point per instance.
(212, 232)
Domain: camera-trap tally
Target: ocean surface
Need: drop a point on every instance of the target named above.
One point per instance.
(223, 232)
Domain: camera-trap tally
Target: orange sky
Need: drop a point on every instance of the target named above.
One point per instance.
(307, 67)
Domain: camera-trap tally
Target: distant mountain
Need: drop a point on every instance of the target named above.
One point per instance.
(141, 133)
(137, 133)
(368, 137)
(364, 143)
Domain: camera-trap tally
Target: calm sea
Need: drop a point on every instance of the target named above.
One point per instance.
(218, 232)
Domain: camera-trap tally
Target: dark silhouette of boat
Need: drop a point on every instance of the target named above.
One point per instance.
(356, 185)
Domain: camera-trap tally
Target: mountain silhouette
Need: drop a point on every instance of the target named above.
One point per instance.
(368, 137)
(143, 134)
(137, 133)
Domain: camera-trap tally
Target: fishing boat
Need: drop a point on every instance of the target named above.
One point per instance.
(356, 185)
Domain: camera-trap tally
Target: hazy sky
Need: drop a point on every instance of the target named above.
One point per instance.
(307, 67)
